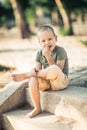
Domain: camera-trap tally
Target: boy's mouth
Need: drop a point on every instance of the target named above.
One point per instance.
(49, 47)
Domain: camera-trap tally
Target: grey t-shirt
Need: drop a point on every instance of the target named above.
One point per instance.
(58, 54)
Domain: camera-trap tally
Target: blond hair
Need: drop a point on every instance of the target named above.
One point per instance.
(46, 28)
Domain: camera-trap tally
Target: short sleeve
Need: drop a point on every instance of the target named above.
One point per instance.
(62, 54)
(38, 56)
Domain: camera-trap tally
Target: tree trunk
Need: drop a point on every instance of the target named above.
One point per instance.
(54, 17)
(63, 14)
(20, 19)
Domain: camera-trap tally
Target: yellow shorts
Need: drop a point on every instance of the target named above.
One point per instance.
(55, 79)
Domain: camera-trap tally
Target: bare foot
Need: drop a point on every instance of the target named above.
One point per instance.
(33, 113)
(23, 76)
(18, 77)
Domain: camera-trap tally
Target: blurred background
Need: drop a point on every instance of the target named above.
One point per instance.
(70, 17)
(19, 21)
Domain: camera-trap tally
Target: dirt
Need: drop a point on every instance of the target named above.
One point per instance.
(4, 79)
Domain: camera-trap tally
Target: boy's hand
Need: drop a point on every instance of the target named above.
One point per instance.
(46, 51)
(48, 56)
(33, 72)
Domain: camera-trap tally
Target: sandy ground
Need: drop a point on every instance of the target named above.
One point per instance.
(20, 54)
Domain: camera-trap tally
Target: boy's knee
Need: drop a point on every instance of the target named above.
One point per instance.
(32, 81)
(53, 71)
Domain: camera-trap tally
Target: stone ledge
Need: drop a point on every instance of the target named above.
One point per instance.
(77, 74)
(12, 95)
(72, 98)
(16, 120)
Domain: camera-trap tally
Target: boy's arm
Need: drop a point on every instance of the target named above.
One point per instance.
(50, 60)
(61, 64)
(47, 54)
(38, 66)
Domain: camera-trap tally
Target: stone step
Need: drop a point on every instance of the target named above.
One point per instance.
(71, 102)
(16, 120)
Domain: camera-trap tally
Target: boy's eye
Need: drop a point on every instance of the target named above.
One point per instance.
(43, 41)
(50, 39)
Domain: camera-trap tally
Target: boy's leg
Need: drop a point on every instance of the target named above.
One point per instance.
(23, 76)
(54, 74)
(35, 96)
(45, 72)
(42, 73)
(58, 79)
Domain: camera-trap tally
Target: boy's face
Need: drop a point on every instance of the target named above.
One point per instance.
(47, 39)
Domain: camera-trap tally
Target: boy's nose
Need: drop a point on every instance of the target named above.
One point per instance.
(47, 42)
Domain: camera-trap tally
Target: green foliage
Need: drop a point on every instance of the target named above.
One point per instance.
(30, 15)
(5, 68)
(24, 4)
(2, 20)
(42, 3)
(84, 42)
(74, 5)
(29, 9)
(6, 13)
(65, 32)
(6, 4)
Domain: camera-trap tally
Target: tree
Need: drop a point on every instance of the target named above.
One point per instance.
(21, 23)
(63, 14)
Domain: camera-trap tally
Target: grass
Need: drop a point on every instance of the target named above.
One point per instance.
(5, 68)
(5, 75)
(84, 42)
(66, 32)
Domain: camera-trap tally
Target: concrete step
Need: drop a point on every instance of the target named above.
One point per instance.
(71, 102)
(16, 120)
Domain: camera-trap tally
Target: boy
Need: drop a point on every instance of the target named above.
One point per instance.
(51, 71)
